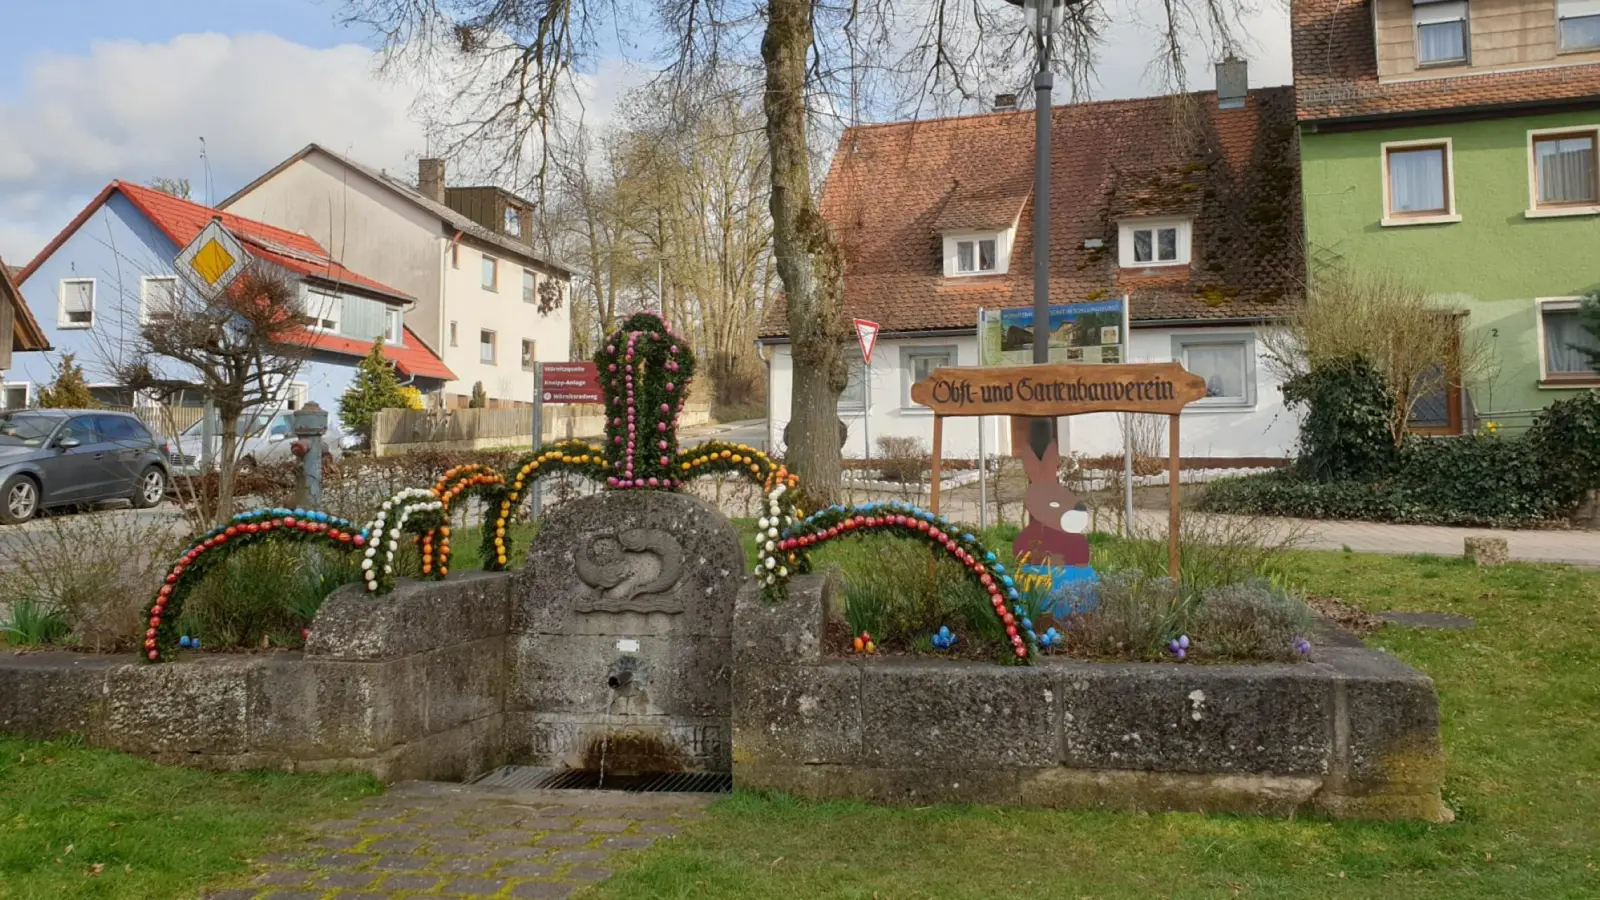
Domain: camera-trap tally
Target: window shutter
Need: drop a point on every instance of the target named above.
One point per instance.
(79, 296)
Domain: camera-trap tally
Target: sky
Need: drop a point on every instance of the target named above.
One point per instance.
(96, 90)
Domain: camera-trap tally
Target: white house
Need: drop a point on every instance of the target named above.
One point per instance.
(1187, 205)
(486, 301)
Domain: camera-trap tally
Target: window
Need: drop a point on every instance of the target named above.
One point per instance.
(855, 390)
(1226, 361)
(1562, 340)
(1418, 183)
(124, 429)
(80, 429)
(974, 254)
(455, 255)
(394, 327)
(158, 297)
(77, 303)
(530, 292)
(918, 363)
(1441, 32)
(1565, 172)
(491, 273)
(513, 222)
(322, 311)
(295, 394)
(453, 341)
(1153, 243)
(486, 347)
(14, 395)
(528, 355)
(1580, 24)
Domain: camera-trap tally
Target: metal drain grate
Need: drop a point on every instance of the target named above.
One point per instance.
(539, 778)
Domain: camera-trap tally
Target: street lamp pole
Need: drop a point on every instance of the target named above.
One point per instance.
(1043, 19)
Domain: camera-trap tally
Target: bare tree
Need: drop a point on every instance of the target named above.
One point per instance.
(177, 187)
(509, 58)
(238, 350)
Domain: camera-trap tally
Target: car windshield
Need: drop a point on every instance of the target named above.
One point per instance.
(27, 429)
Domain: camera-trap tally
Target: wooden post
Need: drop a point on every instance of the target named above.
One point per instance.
(938, 451)
(1174, 465)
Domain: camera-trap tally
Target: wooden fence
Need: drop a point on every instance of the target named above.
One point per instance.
(400, 430)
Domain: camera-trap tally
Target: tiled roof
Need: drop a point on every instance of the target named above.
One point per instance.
(457, 221)
(26, 333)
(1336, 72)
(413, 359)
(891, 189)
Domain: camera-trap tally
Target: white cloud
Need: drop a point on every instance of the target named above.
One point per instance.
(135, 111)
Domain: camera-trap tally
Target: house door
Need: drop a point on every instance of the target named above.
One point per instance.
(1438, 410)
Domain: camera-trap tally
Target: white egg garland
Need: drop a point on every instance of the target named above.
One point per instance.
(419, 508)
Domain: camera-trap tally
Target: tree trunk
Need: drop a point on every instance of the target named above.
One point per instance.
(806, 258)
(226, 464)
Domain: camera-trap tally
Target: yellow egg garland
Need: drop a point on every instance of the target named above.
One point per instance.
(574, 456)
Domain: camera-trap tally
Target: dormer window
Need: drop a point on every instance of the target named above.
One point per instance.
(981, 253)
(1441, 32)
(1153, 242)
(1580, 24)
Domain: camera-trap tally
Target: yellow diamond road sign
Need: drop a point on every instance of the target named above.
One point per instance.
(212, 260)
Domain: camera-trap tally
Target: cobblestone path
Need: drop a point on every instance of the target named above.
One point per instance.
(428, 839)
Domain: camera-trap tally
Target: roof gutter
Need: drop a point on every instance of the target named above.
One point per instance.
(1337, 124)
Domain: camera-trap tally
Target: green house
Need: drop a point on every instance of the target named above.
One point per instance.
(1455, 141)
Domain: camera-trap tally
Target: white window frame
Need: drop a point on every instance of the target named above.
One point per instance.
(293, 390)
(908, 355)
(27, 393)
(1244, 339)
(1535, 211)
(1127, 227)
(394, 326)
(493, 267)
(1565, 381)
(852, 359)
(493, 344)
(144, 294)
(1002, 252)
(454, 337)
(1451, 214)
(532, 362)
(1574, 9)
(61, 304)
(530, 286)
(324, 318)
(1420, 18)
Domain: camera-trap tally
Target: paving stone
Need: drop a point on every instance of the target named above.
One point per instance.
(506, 836)
(456, 848)
(365, 895)
(604, 826)
(515, 853)
(543, 890)
(628, 842)
(501, 817)
(548, 823)
(347, 879)
(395, 845)
(434, 817)
(657, 829)
(410, 883)
(337, 825)
(231, 894)
(565, 839)
(293, 895)
(475, 887)
(386, 828)
(465, 866)
(529, 870)
(278, 859)
(587, 874)
(343, 860)
(336, 842)
(579, 856)
(282, 878)
(446, 832)
(403, 863)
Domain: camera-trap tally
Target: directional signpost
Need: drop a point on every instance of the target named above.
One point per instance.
(560, 383)
(867, 334)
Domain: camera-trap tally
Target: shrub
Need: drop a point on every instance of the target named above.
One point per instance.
(1344, 432)
(1567, 436)
(69, 390)
(902, 459)
(900, 592)
(1134, 616)
(375, 388)
(265, 594)
(1252, 620)
(33, 622)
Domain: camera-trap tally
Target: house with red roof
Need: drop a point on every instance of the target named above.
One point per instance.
(1188, 206)
(19, 333)
(110, 272)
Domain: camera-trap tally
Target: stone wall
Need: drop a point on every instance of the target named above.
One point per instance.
(409, 685)
(1352, 734)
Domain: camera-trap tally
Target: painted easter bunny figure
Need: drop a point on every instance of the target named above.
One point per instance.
(1055, 543)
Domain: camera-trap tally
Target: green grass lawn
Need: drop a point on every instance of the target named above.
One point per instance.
(87, 823)
(1520, 697)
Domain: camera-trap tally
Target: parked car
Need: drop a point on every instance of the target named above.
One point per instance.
(268, 437)
(62, 457)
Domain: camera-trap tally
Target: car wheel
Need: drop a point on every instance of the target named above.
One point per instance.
(151, 489)
(19, 499)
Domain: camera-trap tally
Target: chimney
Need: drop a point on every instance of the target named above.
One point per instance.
(430, 179)
(1005, 102)
(1233, 83)
(525, 224)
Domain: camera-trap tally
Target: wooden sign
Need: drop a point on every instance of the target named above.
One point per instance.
(1059, 389)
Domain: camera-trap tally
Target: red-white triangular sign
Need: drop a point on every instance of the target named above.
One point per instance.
(867, 333)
